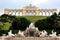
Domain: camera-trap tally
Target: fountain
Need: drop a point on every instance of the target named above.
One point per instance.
(32, 33)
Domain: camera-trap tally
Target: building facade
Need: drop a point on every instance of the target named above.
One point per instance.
(30, 11)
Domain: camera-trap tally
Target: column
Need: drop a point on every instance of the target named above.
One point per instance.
(34, 13)
(11, 12)
(18, 13)
(27, 13)
(24, 13)
(49, 13)
(15, 12)
(41, 13)
(37, 13)
(45, 13)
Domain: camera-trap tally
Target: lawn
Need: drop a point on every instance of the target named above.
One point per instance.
(33, 18)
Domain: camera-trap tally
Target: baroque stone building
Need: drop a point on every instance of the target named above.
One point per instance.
(30, 11)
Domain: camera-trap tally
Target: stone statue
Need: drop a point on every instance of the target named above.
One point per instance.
(21, 33)
(43, 33)
(10, 33)
(53, 34)
(31, 26)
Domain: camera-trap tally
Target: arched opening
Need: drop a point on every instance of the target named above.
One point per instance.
(44, 14)
(17, 14)
(20, 13)
(13, 13)
(47, 13)
(30, 14)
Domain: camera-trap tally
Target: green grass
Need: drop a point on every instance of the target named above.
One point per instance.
(33, 18)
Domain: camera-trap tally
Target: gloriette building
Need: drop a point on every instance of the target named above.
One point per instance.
(30, 11)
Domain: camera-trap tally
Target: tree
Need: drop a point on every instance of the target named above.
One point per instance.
(42, 24)
(7, 18)
(49, 23)
(59, 14)
(20, 24)
(39, 24)
(54, 21)
(1, 25)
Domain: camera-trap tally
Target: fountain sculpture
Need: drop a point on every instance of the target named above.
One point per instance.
(21, 33)
(10, 33)
(53, 34)
(43, 33)
(32, 31)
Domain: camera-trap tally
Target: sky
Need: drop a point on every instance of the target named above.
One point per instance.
(43, 4)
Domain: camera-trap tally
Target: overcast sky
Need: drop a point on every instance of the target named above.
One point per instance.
(22, 3)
